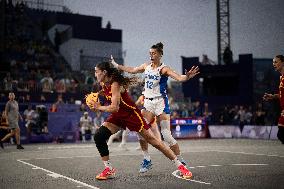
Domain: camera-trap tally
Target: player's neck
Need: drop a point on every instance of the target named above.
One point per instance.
(156, 64)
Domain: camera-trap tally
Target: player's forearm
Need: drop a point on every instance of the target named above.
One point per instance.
(126, 69)
(183, 78)
(110, 109)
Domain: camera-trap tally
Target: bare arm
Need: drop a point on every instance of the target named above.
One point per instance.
(267, 96)
(133, 70)
(182, 78)
(139, 101)
(115, 100)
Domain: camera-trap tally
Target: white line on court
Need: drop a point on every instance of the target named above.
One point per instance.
(249, 164)
(66, 147)
(246, 153)
(56, 175)
(175, 173)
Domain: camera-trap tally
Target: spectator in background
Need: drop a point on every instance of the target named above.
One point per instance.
(46, 82)
(248, 116)
(28, 114)
(259, 115)
(53, 108)
(207, 114)
(86, 126)
(30, 117)
(241, 117)
(197, 109)
(59, 99)
(8, 82)
(83, 107)
(228, 56)
(278, 64)
(175, 114)
(89, 81)
(42, 98)
(13, 115)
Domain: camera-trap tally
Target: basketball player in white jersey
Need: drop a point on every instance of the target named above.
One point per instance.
(156, 99)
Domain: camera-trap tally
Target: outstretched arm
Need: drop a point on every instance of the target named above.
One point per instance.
(128, 69)
(267, 96)
(188, 74)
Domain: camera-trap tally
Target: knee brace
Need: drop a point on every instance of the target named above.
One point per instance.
(165, 125)
(100, 137)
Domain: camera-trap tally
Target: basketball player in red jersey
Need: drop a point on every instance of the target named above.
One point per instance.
(278, 64)
(124, 113)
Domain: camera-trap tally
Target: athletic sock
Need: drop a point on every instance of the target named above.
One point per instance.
(108, 164)
(180, 158)
(146, 155)
(177, 162)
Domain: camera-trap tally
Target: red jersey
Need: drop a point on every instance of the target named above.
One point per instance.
(128, 114)
(281, 92)
(281, 100)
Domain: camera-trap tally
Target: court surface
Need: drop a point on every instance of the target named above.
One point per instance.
(215, 163)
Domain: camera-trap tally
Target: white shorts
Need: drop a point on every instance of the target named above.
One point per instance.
(157, 105)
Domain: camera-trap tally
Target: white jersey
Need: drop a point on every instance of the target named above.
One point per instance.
(155, 83)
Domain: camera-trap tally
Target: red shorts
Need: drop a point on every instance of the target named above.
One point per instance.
(281, 119)
(131, 119)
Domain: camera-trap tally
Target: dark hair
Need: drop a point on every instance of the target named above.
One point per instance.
(159, 47)
(281, 57)
(115, 74)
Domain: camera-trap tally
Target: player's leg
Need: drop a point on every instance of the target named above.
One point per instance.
(164, 120)
(17, 135)
(101, 136)
(113, 136)
(146, 134)
(146, 162)
(9, 135)
(124, 139)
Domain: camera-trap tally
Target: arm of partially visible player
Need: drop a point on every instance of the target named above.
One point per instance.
(115, 100)
(268, 96)
(178, 77)
(133, 70)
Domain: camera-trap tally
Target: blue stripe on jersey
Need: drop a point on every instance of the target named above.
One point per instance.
(167, 106)
(163, 91)
(163, 85)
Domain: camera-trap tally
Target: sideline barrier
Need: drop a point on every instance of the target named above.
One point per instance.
(256, 132)
(249, 131)
(225, 131)
(273, 133)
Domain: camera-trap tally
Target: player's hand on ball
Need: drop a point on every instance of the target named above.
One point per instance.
(92, 100)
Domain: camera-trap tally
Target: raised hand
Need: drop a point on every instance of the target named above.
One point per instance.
(192, 72)
(112, 61)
